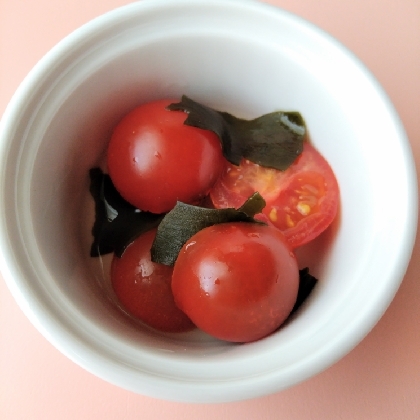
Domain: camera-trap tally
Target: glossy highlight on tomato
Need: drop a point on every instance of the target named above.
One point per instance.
(144, 287)
(301, 201)
(154, 160)
(236, 281)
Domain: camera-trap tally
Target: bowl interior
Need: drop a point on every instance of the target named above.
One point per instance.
(246, 59)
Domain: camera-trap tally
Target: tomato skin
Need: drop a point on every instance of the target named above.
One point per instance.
(154, 160)
(144, 287)
(236, 281)
(301, 201)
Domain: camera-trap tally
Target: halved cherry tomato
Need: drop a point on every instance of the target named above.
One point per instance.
(154, 160)
(144, 287)
(302, 201)
(236, 281)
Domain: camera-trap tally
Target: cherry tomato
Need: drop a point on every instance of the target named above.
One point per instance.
(301, 201)
(144, 287)
(236, 281)
(155, 160)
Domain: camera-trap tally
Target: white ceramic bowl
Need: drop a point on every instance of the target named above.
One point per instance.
(243, 57)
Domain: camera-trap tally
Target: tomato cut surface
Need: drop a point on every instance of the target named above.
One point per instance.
(144, 287)
(154, 160)
(301, 201)
(236, 281)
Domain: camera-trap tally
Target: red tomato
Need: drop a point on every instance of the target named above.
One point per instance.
(301, 201)
(236, 281)
(144, 287)
(155, 160)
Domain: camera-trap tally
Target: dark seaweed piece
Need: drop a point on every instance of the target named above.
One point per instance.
(185, 220)
(117, 223)
(273, 140)
(306, 284)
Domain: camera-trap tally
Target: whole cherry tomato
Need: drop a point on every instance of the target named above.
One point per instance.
(236, 281)
(144, 287)
(154, 160)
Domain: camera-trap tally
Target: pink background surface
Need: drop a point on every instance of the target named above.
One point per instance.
(379, 379)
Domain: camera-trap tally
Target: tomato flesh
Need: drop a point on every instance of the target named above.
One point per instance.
(154, 160)
(144, 287)
(236, 281)
(301, 201)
